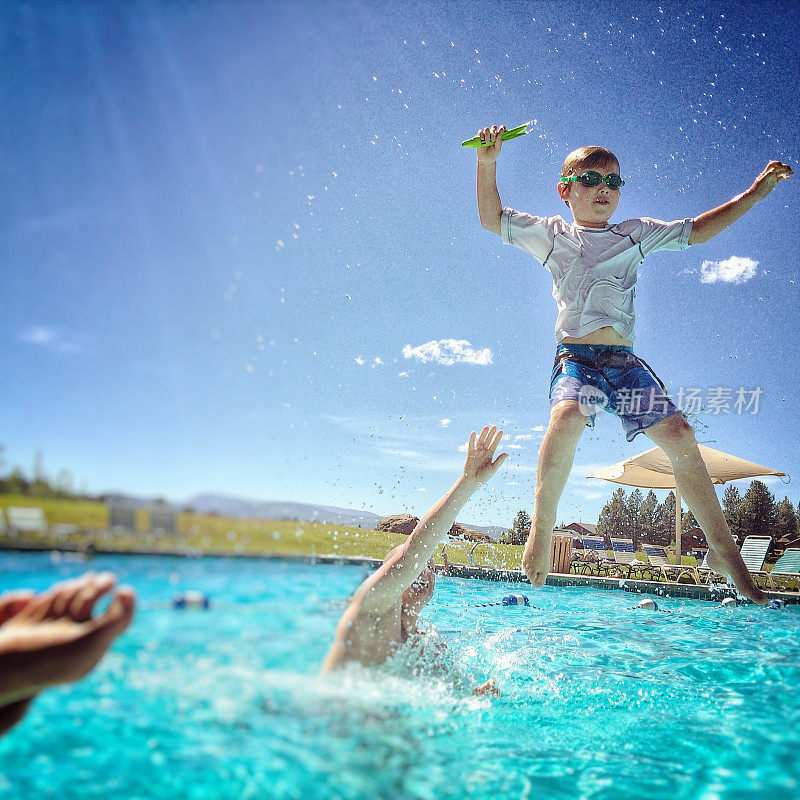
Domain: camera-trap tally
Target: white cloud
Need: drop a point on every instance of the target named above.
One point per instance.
(445, 422)
(464, 447)
(55, 339)
(512, 447)
(736, 269)
(401, 453)
(527, 437)
(359, 360)
(378, 360)
(402, 374)
(447, 352)
(589, 494)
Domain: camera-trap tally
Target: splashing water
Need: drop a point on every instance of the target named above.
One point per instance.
(598, 700)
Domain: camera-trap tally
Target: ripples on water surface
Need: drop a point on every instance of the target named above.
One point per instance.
(599, 701)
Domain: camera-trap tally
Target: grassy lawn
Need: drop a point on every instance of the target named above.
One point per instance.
(87, 514)
(202, 532)
(210, 533)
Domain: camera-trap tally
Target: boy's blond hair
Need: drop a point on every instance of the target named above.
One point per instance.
(587, 158)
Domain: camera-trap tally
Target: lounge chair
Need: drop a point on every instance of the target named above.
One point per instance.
(661, 565)
(456, 546)
(594, 554)
(754, 551)
(25, 519)
(657, 554)
(786, 568)
(625, 557)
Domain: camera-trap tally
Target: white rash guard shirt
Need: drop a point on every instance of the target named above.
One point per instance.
(594, 269)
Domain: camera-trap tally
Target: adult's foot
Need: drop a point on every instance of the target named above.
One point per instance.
(53, 638)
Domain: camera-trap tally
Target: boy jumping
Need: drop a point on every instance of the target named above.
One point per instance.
(594, 266)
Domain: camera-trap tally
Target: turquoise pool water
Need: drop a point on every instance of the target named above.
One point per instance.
(599, 701)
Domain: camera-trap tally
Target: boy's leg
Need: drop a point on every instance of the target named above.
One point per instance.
(676, 438)
(555, 462)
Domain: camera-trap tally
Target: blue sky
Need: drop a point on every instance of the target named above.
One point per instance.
(239, 239)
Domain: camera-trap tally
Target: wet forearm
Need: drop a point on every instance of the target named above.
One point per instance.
(490, 208)
(438, 520)
(712, 222)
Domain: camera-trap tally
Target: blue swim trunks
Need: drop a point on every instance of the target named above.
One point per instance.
(613, 378)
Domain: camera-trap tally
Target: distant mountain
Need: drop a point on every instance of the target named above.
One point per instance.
(494, 531)
(228, 506)
(244, 508)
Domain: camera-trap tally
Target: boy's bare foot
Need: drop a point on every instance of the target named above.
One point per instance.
(536, 558)
(53, 638)
(735, 571)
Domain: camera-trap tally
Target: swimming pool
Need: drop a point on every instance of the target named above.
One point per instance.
(599, 701)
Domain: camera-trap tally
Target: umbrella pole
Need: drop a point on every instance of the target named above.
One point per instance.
(677, 524)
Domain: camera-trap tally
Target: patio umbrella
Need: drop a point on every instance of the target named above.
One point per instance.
(652, 470)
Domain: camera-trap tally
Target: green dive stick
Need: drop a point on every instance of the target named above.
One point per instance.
(514, 133)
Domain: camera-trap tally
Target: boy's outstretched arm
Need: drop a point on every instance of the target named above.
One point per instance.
(713, 222)
(386, 586)
(490, 209)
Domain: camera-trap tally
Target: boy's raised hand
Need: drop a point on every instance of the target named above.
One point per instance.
(479, 466)
(774, 172)
(488, 155)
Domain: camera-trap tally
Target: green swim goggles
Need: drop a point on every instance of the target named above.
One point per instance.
(591, 178)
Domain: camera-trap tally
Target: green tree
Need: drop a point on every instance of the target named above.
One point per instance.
(38, 466)
(647, 517)
(665, 526)
(612, 519)
(63, 483)
(39, 486)
(758, 510)
(786, 521)
(520, 528)
(16, 482)
(40, 489)
(633, 509)
(732, 510)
